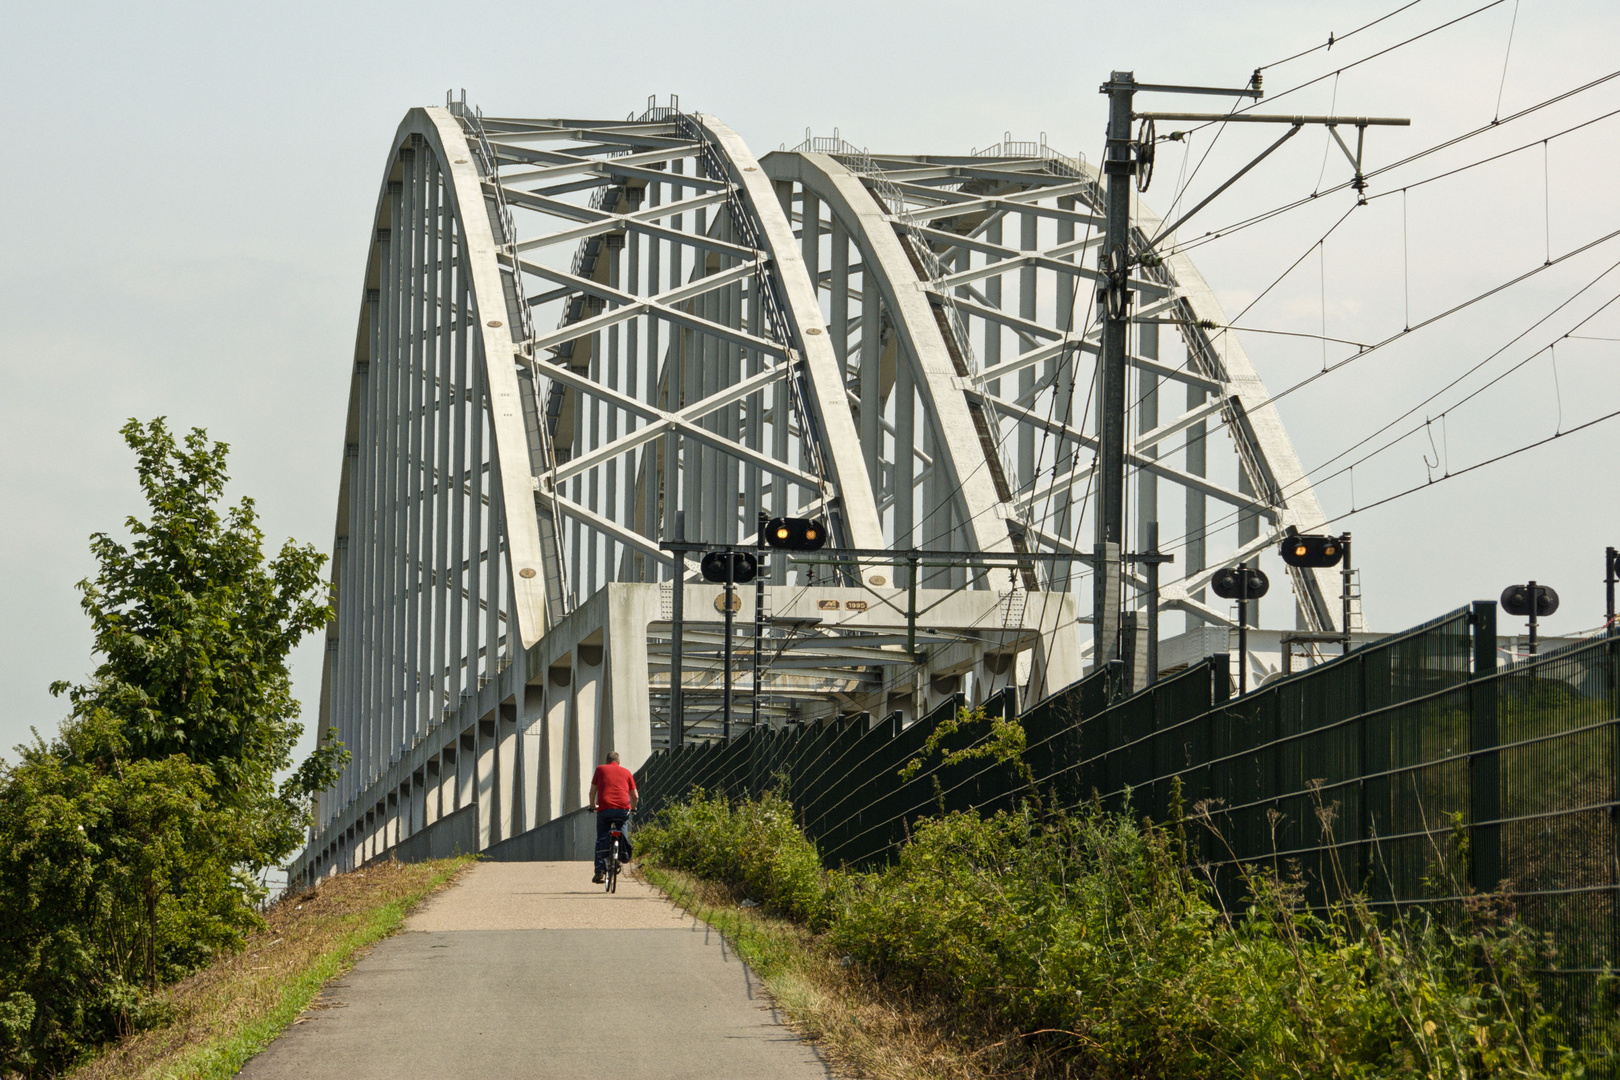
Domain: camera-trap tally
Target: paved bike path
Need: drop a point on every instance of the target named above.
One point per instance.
(527, 970)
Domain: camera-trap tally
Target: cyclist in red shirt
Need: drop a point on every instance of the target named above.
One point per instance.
(613, 796)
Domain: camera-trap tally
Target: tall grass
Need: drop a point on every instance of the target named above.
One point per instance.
(1089, 939)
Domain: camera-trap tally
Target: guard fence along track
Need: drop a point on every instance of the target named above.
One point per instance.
(1414, 772)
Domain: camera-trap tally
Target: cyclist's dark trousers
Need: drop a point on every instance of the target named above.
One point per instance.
(606, 820)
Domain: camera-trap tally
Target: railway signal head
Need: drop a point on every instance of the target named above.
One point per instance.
(1516, 600)
(1240, 583)
(743, 567)
(1312, 551)
(796, 534)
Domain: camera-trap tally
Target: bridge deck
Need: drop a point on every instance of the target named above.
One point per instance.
(528, 970)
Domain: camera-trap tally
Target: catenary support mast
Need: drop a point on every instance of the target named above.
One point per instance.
(1118, 168)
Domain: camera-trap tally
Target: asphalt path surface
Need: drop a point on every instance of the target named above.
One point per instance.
(528, 970)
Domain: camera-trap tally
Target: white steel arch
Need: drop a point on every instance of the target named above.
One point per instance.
(581, 338)
(996, 329)
(432, 514)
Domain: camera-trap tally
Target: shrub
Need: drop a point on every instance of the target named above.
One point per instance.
(1088, 934)
(753, 846)
(1088, 927)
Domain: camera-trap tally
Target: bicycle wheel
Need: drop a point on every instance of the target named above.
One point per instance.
(613, 866)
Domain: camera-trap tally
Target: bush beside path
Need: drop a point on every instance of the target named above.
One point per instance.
(222, 1016)
(1082, 944)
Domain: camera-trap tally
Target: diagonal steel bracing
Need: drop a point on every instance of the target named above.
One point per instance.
(581, 339)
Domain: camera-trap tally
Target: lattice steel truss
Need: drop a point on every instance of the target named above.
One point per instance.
(580, 338)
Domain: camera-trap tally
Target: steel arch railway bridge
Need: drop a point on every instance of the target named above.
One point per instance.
(582, 339)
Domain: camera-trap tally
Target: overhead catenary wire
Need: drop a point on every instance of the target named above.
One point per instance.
(1558, 390)
(1506, 55)
(1360, 345)
(1366, 347)
(1495, 157)
(1224, 231)
(1357, 63)
(1315, 476)
(1333, 39)
(1474, 467)
(1465, 399)
(1422, 324)
(1312, 475)
(1546, 199)
(1406, 263)
(1328, 135)
(1294, 333)
(1431, 320)
(1519, 337)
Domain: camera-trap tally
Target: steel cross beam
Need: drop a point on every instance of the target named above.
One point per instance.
(641, 222)
(664, 305)
(823, 370)
(870, 228)
(683, 421)
(679, 422)
(601, 222)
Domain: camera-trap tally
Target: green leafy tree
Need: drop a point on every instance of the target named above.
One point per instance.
(113, 880)
(128, 843)
(195, 629)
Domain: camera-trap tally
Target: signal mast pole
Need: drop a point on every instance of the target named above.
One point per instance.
(730, 613)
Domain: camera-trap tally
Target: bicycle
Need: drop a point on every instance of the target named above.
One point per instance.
(616, 838)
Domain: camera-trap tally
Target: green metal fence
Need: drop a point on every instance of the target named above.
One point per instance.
(1412, 772)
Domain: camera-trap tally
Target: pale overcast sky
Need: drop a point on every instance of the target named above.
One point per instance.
(188, 191)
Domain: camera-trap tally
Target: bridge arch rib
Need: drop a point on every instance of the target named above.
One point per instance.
(435, 504)
(581, 338)
(976, 266)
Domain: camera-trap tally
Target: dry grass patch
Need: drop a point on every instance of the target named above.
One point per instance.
(866, 1030)
(223, 1015)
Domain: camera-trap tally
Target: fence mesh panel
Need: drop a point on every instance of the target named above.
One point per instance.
(1411, 772)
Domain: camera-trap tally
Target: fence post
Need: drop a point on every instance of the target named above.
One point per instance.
(1611, 673)
(1614, 787)
(1484, 765)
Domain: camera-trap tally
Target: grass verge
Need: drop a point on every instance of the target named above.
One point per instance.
(223, 1015)
(865, 1030)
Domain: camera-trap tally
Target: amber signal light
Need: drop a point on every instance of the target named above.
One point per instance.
(1311, 551)
(796, 534)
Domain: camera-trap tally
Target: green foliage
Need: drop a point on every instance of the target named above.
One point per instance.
(128, 842)
(1087, 928)
(194, 629)
(1087, 933)
(1003, 743)
(753, 846)
(111, 883)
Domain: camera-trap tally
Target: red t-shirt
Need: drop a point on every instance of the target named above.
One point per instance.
(613, 783)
